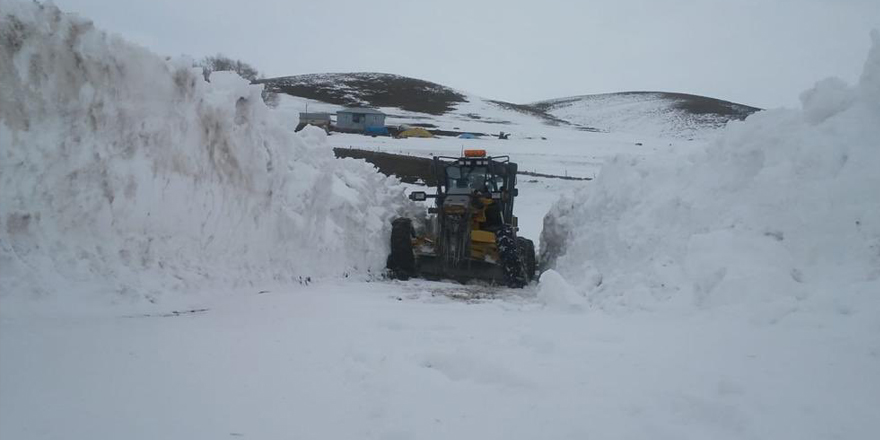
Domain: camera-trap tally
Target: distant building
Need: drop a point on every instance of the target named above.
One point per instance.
(359, 118)
(316, 119)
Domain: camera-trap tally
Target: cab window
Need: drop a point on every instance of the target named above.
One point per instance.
(464, 180)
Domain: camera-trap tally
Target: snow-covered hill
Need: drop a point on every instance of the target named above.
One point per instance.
(414, 101)
(654, 113)
(410, 101)
(369, 89)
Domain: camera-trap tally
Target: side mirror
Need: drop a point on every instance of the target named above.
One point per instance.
(418, 196)
(515, 192)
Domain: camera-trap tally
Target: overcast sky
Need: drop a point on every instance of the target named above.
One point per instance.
(758, 52)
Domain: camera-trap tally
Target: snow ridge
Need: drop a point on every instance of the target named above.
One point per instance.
(127, 174)
(782, 209)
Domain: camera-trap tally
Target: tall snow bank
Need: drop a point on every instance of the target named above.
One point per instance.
(783, 209)
(126, 173)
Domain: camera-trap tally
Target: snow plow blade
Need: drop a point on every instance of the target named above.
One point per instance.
(430, 268)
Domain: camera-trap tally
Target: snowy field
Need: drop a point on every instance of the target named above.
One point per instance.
(178, 264)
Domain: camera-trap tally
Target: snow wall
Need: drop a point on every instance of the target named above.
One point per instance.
(783, 209)
(127, 174)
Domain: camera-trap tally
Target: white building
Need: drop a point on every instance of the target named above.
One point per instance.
(316, 119)
(359, 118)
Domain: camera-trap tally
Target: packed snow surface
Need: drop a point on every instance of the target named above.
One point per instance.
(129, 174)
(412, 360)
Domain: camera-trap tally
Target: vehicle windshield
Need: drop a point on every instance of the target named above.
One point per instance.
(464, 180)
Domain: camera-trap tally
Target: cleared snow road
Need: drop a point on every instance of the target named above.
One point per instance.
(416, 360)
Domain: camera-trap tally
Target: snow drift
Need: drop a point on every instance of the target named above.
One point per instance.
(782, 209)
(122, 172)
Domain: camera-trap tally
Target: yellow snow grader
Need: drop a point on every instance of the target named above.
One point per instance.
(470, 232)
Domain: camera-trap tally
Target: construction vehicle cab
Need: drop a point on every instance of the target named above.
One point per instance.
(471, 232)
